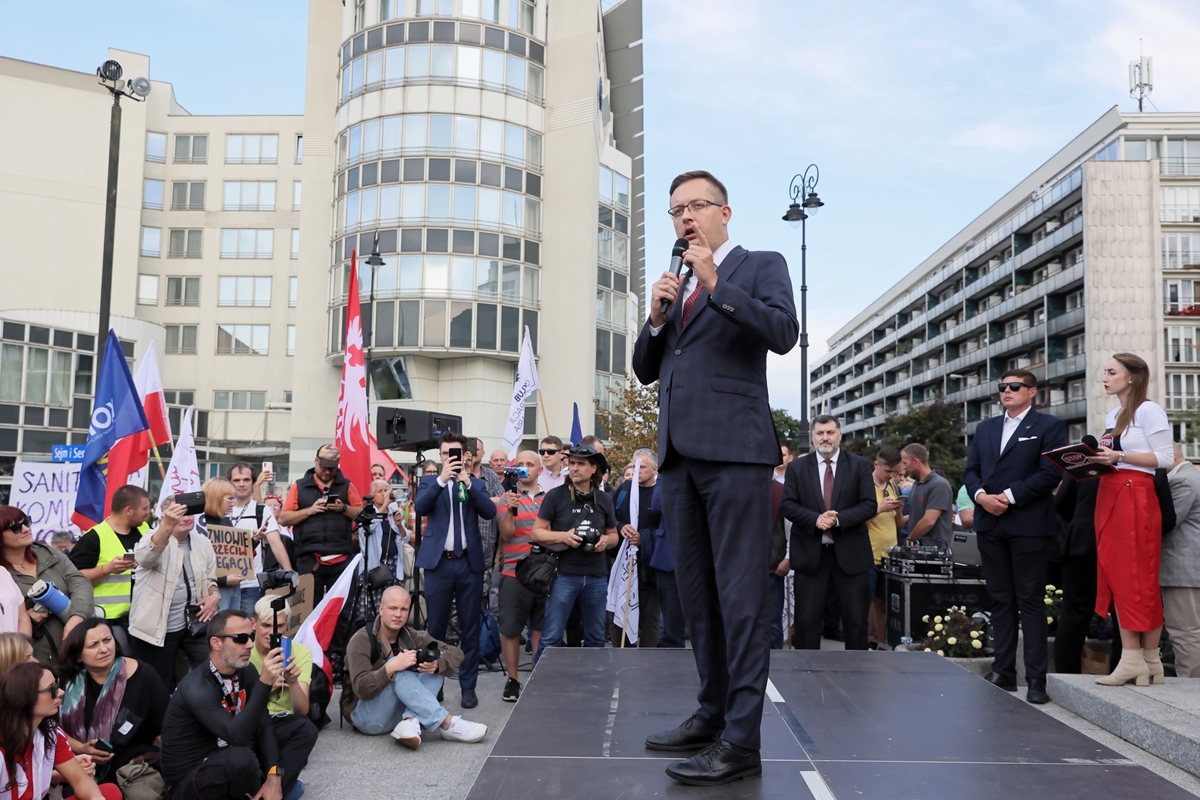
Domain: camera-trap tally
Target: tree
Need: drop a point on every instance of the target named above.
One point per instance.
(938, 426)
(861, 446)
(632, 424)
(788, 428)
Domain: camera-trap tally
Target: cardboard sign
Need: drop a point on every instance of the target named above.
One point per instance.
(235, 550)
(301, 604)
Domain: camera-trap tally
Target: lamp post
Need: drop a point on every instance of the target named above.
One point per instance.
(805, 203)
(109, 74)
(374, 261)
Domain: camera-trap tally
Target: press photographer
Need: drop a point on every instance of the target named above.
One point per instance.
(578, 522)
(395, 674)
(381, 537)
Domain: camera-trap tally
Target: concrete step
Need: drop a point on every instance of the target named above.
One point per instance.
(1163, 720)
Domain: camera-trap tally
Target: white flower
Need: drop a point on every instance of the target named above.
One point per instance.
(939, 626)
(952, 640)
(974, 634)
(940, 653)
(937, 619)
(927, 650)
(930, 634)
(1049, 601)
(1050, 620)
(1058, 591)
(925, 618)
(1049, 587)
(976, 643)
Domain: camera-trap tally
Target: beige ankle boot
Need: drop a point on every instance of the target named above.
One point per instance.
(1132, 667)
(1154, 664)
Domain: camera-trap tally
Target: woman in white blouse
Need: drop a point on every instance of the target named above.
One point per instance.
(1137, 440)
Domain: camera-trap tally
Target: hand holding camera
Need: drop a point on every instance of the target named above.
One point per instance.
(406, 659)
(427, 658)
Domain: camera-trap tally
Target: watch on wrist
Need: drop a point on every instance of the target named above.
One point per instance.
(1121, 457)
(276, 771)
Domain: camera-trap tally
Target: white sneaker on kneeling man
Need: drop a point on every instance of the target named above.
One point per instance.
(460, 730)
(408, 733)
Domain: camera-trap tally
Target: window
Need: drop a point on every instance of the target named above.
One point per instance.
(293, 291)
(295, 243)
(291, 340)
(151, 242)
(1181, 344)
(360, 14)
(156, 147)
(187, 196)
(390, 9)
(1180, 203)
(299, 149)
(183, 291)
(249, 196)
(243, 340)
(295, 195)
(152, 195)
(247, 242)
(147, 291)
(1180, 250)
(1182, 391)
(239, 401)
(181, 340)
(185, 243)
(191, 149)
(251, 148)
(1075, 345)
(243, 291)
(525, 22)
(1074, 300)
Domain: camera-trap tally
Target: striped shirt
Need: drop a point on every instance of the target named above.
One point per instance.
(518, 547)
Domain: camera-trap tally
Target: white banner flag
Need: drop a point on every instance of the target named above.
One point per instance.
(526, 384)
(46, 493)
(183, 474)
(622, 581)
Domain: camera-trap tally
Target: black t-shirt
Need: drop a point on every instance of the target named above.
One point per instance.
(564, 510)
(86, 552)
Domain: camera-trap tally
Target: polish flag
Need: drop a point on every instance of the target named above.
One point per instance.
(317, 631)
(353, 432)
(134, 452)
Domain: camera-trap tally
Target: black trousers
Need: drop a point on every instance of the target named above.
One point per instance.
(1015, 570)
(719, 518)
(853, 593)
(163, 659)
(1078, 605)
(324, 576)
(673, 629)
(235, 773)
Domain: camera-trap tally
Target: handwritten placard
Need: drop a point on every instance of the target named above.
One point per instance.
(235, 550)
(46, 493)
(300, 604)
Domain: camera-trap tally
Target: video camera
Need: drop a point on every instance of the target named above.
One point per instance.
(512, 475)
(277, 579)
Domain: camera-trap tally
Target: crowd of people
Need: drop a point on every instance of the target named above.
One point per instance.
(125, 657)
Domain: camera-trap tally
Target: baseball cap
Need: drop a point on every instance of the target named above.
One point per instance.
(329, 456)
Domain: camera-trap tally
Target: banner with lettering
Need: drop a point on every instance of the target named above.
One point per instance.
(46, 493)
(234, 549)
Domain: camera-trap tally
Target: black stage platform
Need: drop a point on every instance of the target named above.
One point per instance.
(836, 725)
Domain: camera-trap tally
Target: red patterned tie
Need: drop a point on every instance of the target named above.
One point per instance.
(827, 485)
(687, 305)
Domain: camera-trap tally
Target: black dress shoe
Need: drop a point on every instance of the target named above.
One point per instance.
(691, 735)
(1007, 684)
(469, 698)
(716, 764)
(1037, 692)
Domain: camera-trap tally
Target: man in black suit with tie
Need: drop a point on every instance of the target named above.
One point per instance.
(718, 446)
(829, 495)
(1014, 516)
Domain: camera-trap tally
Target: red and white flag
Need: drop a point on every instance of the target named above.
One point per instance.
(135, 451)
(353, 433)
(317, 631)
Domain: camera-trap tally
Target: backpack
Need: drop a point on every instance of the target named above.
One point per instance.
(489, 638)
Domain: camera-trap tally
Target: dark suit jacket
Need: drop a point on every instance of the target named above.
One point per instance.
(712, 391)
(433, 503)
(1020, 468)
(854, 500)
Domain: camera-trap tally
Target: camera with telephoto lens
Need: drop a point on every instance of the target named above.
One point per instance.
(512, 475)
(369, 515)
(590, 535)
(428, 654)
(277, 579)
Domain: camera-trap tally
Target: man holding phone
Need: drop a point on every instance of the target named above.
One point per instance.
(320, 508)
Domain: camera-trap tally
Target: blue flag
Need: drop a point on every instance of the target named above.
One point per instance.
(116, 413)
(576, 428)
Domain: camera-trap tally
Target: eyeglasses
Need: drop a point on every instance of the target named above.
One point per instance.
(549, 452)
(696, 206)
(53, 690)
(1013, 387)
(237, 638)
(16, 526)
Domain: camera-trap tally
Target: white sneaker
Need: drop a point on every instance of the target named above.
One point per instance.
(408, 733)
(460, 730)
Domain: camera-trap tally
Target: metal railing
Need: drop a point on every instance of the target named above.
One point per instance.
(434, 151)
(440, 80)
(1179, 213)
(1178, 166)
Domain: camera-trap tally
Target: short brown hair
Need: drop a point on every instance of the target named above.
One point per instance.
(450, 437)
(888, 456)
(127, 496)
(917, 451)
(554, 440)
(241, 465)
(1023, 375)
(701, 174)
(825, 419)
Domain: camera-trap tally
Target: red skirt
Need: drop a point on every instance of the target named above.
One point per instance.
(1128, 549)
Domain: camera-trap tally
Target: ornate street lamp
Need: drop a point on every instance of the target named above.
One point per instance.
(805, 203)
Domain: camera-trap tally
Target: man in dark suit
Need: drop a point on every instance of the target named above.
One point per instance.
(1012, 486)
(452, 553)
(718, 445)
(829, 495)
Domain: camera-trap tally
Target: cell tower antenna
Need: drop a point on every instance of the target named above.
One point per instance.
(1141, 77)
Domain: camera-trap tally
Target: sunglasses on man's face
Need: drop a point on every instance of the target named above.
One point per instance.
(238, 638)
(1012, 387)
(549, 452)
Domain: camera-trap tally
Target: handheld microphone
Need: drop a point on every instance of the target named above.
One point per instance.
(1090, 441)
(681, 246)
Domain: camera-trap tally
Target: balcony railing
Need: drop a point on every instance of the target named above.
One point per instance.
(1179, 213)
(1177, 166)
(1181, 261)
(1181, 308)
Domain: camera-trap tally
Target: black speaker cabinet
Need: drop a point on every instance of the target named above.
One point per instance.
(412, 430)
(910, 597)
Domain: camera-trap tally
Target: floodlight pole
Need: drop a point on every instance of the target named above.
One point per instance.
(110, 226)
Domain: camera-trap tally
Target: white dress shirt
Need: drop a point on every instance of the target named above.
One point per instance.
(691, 283)
(452, 486)
(821, 467)
(1011, 424)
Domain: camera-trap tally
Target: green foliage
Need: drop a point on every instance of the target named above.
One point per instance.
(631, 425)
(954, 634)
(861, 446)
(788, 428)
(938, 426)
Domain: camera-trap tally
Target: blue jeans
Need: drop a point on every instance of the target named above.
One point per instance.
(592, 590)
(411, 694)
(237, 597)
(778, 593)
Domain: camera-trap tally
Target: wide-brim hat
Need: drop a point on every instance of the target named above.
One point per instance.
(591, 454)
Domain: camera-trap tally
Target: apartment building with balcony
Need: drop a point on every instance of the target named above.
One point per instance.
(1096, 252)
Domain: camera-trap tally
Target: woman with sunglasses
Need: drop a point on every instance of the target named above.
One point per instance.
(28, 562)
(32, 744)
(113, 706)
(1137, 440)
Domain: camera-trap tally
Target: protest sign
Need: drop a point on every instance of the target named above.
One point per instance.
(46, 493)
(235, 550)
(300, 604)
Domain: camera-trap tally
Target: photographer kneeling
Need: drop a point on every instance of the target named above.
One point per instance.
(395, 674)
(578, 521)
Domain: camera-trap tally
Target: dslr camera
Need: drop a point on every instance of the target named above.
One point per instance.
(590, 535)
(427, 654)
(512, 475)
(277, 579)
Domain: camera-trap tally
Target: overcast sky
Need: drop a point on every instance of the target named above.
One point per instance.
(919, 114)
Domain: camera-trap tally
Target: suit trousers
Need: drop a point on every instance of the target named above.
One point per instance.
(719, 520)
(1078, 600)
(1015, 570)
(673, 630)
(453, 581)
(853, 593)
(1181, 606)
